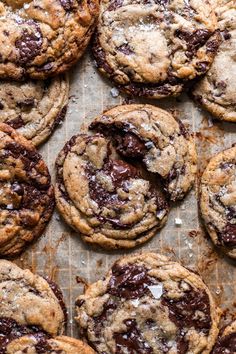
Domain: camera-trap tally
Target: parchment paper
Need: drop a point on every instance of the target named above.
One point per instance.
(62, 255)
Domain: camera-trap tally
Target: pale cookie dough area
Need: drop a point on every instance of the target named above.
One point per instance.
(152, 48)
(216, 91)
(150, 305)
(218, 200)
(34, 108)
(26, 193)
(104, 197)
(149, 134)
(40, 38)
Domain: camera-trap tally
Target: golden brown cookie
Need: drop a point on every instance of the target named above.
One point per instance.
(34, 108)
(226, 343)
(40, 38)
(148, 304)
(26, 193)
(216, 91)
(28, 304)
(218, 200)
(105, 198)
(39, 343)
(151, 135)
(152, 48)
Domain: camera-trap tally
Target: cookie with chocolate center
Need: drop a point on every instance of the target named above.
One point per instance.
(148, 304)
(40, 38)
(153, 136)
(218, 200)
(26, 193)
(152, 48)
(105, 198)
(216, 91)
(34, 108)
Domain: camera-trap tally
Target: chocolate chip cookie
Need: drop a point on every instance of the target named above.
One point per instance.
(105, 198)
(28, 304)
(148, 304)
(152, 135)
(226, 343)
(218, 200)
(39, 343)
(26, 193)
(40, 38)
(216, 91)
(34, 108)
(152, 48)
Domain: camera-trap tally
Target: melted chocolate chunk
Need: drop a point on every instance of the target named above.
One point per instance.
(131, 341)
(29, 44)
(228, 236)
(130, 145)
(119, 171)
(10, 330)
(129, 281)
(28, 103)
(183, 311)
(16, 123)
(125, 49)
(60, 117)
(115, 4)
(193, 40)
(226, 345)
(58, 293)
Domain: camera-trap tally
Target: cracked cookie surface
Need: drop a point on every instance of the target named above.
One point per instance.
(153, 136)
(26, 193)
(148, 304)
(218, 200)
(39, 343)
(105, 198)
(216, 91)
(34, 108)
(151, 48)
(29, 305)
(226, 344)
(40, 38)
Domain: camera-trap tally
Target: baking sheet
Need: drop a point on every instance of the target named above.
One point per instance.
(60, 253)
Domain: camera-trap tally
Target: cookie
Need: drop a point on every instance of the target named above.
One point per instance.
(152, 135)
(39, 343)
(148, 304)
(226, 344)
(216, 91)
(40, 38)
(104, 197)
(34, 108)
(28, 304)
(26, 193)
(152, 48)
(218, 200)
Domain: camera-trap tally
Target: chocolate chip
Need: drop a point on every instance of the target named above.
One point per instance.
(132, 340)
(26, 104)
(29, 45)
(228, 235)
(115, 5)
(125, 48)
(58, 293)
(60, 117)
(16, 123)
